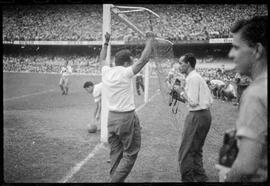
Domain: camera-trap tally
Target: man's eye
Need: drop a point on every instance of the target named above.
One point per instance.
(235, 47)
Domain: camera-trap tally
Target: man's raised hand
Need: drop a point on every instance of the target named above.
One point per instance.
(150, 34)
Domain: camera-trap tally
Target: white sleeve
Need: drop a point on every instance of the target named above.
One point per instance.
(104, 69)
(129, 72)
(97, 92)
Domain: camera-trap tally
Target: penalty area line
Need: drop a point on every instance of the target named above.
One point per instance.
(98, 147)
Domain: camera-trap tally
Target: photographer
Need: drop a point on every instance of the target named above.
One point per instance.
(249, 52)
(198, 121)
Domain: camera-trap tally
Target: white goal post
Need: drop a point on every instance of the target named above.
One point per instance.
(106, 27)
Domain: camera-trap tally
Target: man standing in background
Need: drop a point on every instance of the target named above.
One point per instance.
(64, 83)
(197, 123)
(139, 81)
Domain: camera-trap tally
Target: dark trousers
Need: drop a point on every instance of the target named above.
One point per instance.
(196, 127)
(139, 83)
(124, 137)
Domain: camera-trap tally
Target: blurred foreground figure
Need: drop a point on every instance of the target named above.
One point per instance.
(249, 52)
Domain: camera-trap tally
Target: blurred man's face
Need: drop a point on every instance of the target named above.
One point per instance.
(242, 54)
(183, 67)
(89, 89)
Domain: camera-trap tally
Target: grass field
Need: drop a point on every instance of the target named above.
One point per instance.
(45, 133)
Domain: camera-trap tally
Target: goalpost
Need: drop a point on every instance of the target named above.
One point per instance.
(106, 27)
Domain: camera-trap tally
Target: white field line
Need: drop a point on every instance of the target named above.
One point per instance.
(78, 166)
(99, 146)
(150, 99)
(27, 95)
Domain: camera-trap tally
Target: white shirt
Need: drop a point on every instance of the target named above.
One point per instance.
(66, 70)
(231, 89)
(97, 92)
(197, 91)
(118, 84)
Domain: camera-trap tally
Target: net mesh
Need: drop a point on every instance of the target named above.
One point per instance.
(163, 59)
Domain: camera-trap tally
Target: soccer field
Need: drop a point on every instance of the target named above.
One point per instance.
(46, 139)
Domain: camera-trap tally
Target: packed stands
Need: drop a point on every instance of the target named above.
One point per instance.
(84, 22)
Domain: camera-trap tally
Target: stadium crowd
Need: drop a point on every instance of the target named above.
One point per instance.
(85, 64)
(216, 73)
(36, 63)
(84, 22)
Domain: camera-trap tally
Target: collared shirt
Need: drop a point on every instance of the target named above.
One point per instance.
(97, 92)
(117, 82)
(197, 91)
(252, 120)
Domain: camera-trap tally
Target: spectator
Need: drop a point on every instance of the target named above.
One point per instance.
(84, 23)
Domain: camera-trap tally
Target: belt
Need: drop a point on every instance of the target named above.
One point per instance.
(199, 110)
(113, 111)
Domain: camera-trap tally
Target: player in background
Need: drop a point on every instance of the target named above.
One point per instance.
(95, 91)
(139, 80)
(66, 71)
(215, 86)
(242, 82)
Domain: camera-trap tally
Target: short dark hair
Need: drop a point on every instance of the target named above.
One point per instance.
(190, 58)
(252, 30)
(88, 84)
(122, 56)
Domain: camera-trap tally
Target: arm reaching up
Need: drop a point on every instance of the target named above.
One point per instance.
(103, 53)
(145, 54)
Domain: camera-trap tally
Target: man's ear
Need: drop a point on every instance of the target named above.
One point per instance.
(258, 52)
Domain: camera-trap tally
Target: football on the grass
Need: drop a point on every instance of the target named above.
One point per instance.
(92, 128)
